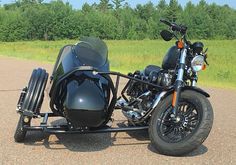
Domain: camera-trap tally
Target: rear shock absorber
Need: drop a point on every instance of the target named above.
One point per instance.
(21, 99)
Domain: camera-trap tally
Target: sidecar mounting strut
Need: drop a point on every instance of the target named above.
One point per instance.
(64, 129)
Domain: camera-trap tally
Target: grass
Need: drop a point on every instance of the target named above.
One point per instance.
(128, 56)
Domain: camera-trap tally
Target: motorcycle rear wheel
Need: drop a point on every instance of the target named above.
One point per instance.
(188, 131)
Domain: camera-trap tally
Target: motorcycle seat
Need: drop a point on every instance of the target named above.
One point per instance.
(150, 69)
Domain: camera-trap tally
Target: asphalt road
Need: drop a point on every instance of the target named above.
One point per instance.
(107, 148)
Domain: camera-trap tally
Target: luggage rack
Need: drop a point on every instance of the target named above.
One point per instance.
(64, 129)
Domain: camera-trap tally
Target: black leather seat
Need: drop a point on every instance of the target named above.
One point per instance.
(152, 69)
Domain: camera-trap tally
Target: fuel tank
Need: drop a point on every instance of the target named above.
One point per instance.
(170, 59)
(81, 97)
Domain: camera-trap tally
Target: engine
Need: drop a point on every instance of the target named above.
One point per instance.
(138, 97)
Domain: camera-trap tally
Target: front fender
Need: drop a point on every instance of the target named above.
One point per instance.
(196, 89)
(165, 94)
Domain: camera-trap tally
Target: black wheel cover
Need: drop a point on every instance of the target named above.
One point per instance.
(173, 131)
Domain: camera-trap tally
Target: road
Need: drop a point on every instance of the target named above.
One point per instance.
(107, 148)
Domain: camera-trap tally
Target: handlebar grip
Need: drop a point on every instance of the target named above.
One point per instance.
(174, 26)
(165, 22)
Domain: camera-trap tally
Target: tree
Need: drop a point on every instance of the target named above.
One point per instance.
(87, 8)
(117, 3)
(104, 5)
(146, 11)
(162, 8)
(34, 19)
(173, 10)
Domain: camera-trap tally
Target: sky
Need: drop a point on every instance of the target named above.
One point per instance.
(77, 4)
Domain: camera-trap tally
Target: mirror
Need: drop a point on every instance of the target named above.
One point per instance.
(166, 35)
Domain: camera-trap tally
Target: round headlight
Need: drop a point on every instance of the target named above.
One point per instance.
(197, 63)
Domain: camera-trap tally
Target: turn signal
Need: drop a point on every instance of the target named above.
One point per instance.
(204, 67)
(180, 44)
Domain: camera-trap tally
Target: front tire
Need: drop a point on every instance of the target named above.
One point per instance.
(179, 137)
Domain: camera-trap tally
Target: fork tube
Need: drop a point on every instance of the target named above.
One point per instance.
(179, 81)
(194, 79)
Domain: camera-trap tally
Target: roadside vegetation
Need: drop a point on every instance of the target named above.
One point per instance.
(37, 30)
(127, 56)
(112, 20)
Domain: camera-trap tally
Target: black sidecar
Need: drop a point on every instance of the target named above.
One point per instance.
(78, 94)
(81, 90)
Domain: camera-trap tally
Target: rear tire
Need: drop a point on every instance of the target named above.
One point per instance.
(20, 132)
(173, 140)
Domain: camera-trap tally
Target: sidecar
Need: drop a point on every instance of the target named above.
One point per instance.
(80, 90)
(84, 92)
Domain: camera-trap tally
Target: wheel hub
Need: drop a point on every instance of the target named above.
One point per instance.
(175, 128)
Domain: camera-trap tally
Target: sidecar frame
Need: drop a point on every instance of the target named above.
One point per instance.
(65, 129)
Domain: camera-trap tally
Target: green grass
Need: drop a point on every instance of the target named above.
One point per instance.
(128, 56)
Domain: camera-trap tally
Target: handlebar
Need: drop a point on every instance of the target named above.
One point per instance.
(180, 28)
(165, 22)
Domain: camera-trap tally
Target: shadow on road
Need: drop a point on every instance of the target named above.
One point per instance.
(84, 142)
(199, 151)
(94, 142)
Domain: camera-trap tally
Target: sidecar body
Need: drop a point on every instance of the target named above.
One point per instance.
(76, 93)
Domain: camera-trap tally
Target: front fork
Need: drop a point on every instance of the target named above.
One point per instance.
(179, 82)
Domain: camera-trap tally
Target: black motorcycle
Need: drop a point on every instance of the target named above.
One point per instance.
(164, 100)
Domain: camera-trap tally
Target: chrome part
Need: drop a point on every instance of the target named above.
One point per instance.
(26, 119)
(197, 63)
(121, 102)
(182, 61)
(180, 74)
(166, 80)
(159, 97)
(130, 111)
(144, 94)
(185, 124)
(156, 102)
(172, 115)
(177, 119)
(138, 115)
(194, 83)
(21, 99)
(132, 115)
(183, 56)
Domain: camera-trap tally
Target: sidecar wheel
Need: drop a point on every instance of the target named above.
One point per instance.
(20, 132)
(179, 137)
(35, 92)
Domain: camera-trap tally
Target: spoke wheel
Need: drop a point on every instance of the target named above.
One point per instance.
(187, 131)
(178, 129)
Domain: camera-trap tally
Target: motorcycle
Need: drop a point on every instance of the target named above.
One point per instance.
(163, 100)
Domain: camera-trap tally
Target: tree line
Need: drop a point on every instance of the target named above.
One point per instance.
(112, 19)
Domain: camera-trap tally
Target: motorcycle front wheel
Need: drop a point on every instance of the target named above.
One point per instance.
(181, 135)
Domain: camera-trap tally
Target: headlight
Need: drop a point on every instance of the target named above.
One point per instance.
(197, 63)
